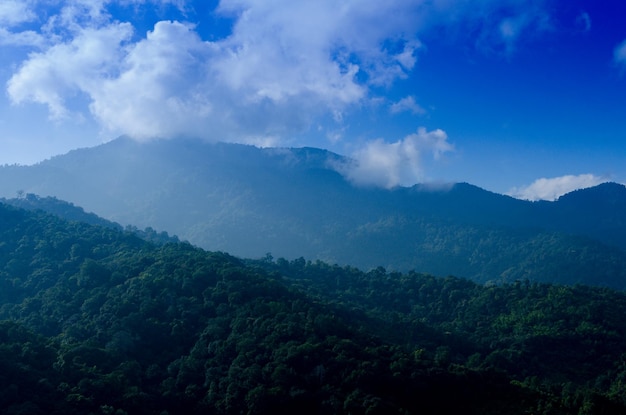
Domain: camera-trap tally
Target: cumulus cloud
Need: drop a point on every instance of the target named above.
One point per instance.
(23, 38)
(389, 165)
(284, 64)
(161, 89)
(619, 54)
(407, 104)
(15, 12)
(553, 188)
(67, 69)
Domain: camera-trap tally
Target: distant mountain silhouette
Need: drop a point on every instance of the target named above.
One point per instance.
(294, 203)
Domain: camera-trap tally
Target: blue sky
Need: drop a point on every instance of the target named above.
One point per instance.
(520, 97)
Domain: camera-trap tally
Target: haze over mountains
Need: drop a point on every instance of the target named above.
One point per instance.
(295, 203)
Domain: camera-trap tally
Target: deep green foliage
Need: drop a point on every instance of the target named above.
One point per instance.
(70, 212)
(555, 333)
(59, 208)
(100, 321)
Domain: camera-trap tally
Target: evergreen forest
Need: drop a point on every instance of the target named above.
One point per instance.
(96, 319)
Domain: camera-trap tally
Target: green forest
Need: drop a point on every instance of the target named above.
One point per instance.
(95, 319)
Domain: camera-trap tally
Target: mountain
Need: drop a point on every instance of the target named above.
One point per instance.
(69, 211)
(97, 320)
(59, 208)
(293, 202)
(596, 212)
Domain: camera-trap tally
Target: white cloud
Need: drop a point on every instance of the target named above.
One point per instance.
(281, 48)
(619, 54)
(15, 12)
(389, 165)
(553, 188)
(162, 87)
(23, 38)
(407, 104)
(67, 69)
(284, 65)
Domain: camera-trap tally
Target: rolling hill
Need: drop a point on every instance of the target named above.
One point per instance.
(293, 202)
(97, 320)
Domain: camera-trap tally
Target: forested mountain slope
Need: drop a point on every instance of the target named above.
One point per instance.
(100, 321)
(293, 202)
(72, 213)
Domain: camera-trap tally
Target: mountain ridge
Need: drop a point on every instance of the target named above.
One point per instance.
(294, 203)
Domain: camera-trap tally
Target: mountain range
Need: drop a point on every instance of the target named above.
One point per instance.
(295, 202)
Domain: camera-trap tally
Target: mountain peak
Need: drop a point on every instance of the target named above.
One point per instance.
(609, 194)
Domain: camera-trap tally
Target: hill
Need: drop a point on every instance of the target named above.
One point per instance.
(96, 320)
(70, 212)
(293, 202)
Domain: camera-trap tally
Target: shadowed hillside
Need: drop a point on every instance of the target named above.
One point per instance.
(293, 202)
(95, 320)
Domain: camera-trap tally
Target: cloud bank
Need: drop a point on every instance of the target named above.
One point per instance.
(279, 68)
(553, 188)
(283, 64)
(389, 165)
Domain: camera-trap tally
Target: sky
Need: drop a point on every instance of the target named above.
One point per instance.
(520, 97)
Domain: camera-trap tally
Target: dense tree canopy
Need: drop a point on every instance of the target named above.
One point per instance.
(97, 320)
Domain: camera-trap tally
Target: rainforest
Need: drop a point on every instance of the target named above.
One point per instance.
(100, 320)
